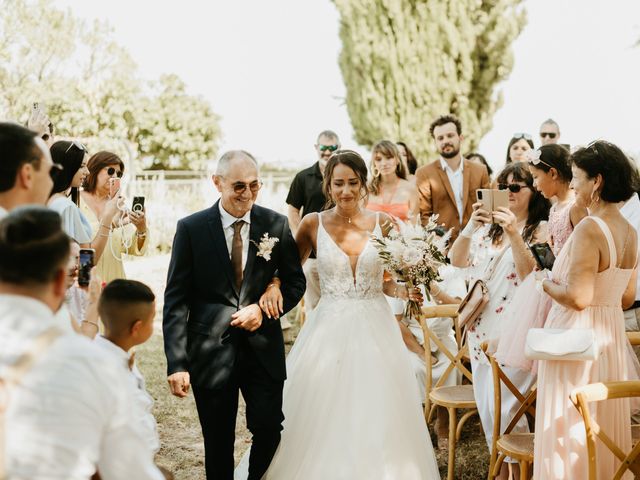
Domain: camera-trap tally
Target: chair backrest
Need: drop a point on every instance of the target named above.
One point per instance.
(526, 400)
(596, 392)
(634, 338)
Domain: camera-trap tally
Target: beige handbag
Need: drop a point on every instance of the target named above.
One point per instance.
(477, 297)
(577, 344)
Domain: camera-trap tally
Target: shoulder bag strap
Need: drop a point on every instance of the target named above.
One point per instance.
(12, 377)
(494, 264)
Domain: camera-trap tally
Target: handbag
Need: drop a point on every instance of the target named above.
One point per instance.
(477, 296)
(561, 344)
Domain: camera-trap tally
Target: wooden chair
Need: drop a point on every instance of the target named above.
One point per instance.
(518, 446)
(595, 392)
(453, 398)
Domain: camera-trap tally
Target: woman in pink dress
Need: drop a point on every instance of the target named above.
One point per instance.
(592, 280)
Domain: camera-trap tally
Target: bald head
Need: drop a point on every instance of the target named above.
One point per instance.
(236, 158)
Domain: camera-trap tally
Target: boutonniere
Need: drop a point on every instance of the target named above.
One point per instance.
(265, 247)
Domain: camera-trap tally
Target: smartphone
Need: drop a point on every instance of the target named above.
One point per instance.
(137, 204)
(86, 264)
(543, 255)
(500, 199)
(114, 186)
(492, 199)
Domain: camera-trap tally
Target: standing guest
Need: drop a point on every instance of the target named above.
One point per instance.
(479, 158)
(409, 160)
(497, 242)
(447, 187)
(127, 309)
(305, 197)
(519, 144)
(593, 279)
(65, 198)
(549, 132)
(127, 232)
(215, 336)
(630, 210)
(69, 413)
(26, 168)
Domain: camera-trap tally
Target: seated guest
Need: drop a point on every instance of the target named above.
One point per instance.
(69, 412)
(127, 309)
(26, 169)
(494, 244)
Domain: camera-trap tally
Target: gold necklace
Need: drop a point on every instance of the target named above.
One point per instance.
(348, 218)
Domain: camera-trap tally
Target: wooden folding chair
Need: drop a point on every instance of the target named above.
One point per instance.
(518, 446)
(595, 392)
(455, 397)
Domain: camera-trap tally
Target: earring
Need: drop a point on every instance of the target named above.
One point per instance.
(595, 198)
(374, 171)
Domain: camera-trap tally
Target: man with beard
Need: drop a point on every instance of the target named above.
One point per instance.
(447, 187)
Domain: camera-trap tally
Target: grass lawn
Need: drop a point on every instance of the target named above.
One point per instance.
(182, 449)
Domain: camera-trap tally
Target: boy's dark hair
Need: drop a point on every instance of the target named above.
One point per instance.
(33, 246)
(118, 296)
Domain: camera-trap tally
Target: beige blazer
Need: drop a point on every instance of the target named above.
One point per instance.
(436, 195)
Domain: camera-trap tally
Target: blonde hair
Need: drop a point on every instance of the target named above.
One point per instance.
(390, 150)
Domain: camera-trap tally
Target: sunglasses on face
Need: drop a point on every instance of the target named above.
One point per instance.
(324, 148)
(548, 134)
(240, 187)
(111, 171)
(526, 136)
(55, 170)
(76, 144)
(512, 187)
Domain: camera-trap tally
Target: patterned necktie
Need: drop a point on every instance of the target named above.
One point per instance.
(236, 252)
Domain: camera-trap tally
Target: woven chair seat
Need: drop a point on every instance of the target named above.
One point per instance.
(458, 396)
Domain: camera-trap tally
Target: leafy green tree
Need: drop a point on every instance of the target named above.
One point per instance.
(404, 62)
(92, 90)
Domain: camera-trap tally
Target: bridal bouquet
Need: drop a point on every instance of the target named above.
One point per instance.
(413, 253)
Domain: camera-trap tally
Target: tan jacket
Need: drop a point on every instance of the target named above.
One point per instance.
(436, 195)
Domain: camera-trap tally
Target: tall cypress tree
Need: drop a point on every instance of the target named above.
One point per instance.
(404, 62)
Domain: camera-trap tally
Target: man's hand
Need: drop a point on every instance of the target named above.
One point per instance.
(179, 384)
(248, 318)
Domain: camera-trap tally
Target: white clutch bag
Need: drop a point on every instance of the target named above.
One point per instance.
(561, 344)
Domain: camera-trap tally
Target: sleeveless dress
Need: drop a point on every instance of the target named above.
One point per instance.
(350, 404)
(560, 445)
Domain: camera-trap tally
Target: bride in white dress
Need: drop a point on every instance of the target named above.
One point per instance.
(350, 404)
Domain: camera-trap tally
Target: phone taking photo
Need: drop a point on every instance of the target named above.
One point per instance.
(87, 256)
(492, 199)
(137, 205)
(543, 255)
(114, 186)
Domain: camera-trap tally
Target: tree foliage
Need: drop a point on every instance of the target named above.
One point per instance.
(93, 92)
(404, 62)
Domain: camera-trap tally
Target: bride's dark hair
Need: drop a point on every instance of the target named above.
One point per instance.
(350, 159)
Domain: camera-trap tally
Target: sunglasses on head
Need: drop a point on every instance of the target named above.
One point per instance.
(537, 161)
(76, 144)
(548, 134)
(512, 187)
(526, 136)
(240, 187)
(111, 171)
(324, 148)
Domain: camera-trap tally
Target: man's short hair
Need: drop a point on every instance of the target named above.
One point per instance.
(17, 147)
(328, 134)
(33, 246)
(443, 120)
(227, 157)
(550, 121)
(117, 300)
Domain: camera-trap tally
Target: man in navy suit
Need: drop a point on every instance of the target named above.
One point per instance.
(216, 337)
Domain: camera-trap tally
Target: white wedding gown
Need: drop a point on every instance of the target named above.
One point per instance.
(350, 402)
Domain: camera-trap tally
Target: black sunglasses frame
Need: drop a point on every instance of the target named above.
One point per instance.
(512, 187)
(240, 187)
(331, 148)
(112, 170)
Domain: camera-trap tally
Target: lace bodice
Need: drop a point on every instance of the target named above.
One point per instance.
(560, 227)
(334, 268)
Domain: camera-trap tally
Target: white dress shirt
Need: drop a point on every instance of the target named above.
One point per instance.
(3, 213)
(143, 401)
(631, 212)
(456, 181)
(72, 411)
(227, 227)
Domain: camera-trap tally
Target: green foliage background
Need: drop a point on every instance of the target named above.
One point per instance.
(404, 62)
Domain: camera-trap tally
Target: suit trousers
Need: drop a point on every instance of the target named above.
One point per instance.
(217, 410)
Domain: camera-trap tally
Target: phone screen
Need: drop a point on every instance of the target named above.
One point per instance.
(543, 254)
(86, 263)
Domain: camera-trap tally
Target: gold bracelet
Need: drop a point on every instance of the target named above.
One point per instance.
(272, 285)
(90, 323)
(104, 226)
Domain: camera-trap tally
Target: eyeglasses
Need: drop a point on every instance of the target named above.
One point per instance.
(512, 187)
(111, 171)
(331, 148)
(55, 170)
(240, 187)
(548, 134)
(526, 136)
(78, 145)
